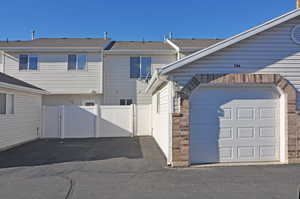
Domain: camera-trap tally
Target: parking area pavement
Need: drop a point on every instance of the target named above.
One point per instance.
(130, 168)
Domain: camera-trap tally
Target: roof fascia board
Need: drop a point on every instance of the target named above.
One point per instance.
(190, 49)
(152, 81)
(50, 49)
(232, 40)
(140, 52)
(22, 88)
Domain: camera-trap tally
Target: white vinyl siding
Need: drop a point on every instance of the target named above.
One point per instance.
(71, 100)
(24, 124)
(269, 52)
(161, 119)
(118, 84)
(53, 74)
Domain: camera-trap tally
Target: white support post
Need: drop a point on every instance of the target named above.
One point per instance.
(131, 120)
(97, 134)
(43, 113)
(62, 121)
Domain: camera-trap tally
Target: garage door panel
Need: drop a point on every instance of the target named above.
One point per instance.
(267, 132)
(245, 133)
(246, 153)
(226, 153)
(226, 133)
(267, 151)
(267, 113)
(245, 113)
(235, 130)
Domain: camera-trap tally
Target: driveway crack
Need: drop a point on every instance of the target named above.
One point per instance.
(70, 191)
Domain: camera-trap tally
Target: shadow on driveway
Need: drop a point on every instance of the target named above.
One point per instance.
(51, 151)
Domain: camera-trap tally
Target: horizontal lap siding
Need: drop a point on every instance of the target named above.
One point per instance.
(53, 74)
(269, 52)
(161, 119)
(118, 84)
(69, 100)
(24, 124)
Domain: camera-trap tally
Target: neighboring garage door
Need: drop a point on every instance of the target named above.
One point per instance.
(234, 125)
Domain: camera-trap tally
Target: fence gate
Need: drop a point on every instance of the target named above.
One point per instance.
(79, 121)
(115, 121)
(69, 121)
(51, 121)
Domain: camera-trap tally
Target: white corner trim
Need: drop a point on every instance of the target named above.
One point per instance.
(22, 88)
(230, 41)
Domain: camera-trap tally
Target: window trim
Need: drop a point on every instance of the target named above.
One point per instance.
(77, 55)
(28, 58)
(140, 67)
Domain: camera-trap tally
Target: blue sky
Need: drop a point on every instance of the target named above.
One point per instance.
(135, 19)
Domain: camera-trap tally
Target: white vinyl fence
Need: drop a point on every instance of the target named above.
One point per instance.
(96, 121)
(115, 121)
(143, 120)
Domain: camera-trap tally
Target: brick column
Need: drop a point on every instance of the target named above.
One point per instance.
(180, 138)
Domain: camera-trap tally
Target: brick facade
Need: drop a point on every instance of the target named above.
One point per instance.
(180, 125)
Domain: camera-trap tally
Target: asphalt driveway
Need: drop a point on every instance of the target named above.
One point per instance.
(130, 168)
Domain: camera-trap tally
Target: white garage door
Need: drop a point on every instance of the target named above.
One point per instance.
(234, 125)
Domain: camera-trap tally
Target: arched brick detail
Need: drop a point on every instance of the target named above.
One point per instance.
(180, 126)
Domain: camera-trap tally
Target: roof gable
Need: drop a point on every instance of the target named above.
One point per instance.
(230, 41)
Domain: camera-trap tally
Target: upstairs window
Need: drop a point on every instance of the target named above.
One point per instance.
(140, 67)
(28, 62)
(77, 62)
(7, 103)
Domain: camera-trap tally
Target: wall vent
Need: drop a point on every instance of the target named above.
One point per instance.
(296, 34)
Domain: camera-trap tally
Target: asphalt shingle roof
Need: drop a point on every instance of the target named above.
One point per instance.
(56, 42)
(11, 80)
(140, 45)
(195, 43)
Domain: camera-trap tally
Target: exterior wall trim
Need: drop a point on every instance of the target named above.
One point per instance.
(181, 125)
